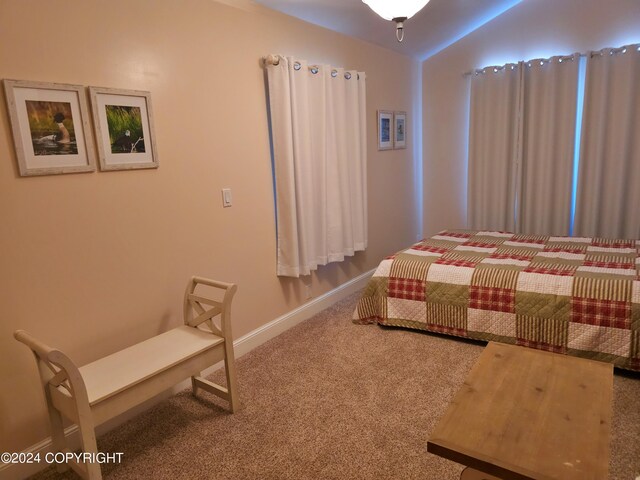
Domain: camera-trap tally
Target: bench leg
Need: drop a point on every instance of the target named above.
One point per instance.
(194, 384)
(86, 469)
(89, 445)
(84, 419)
(230, 393)
(57, 433)
(230, 371)
(204, 384)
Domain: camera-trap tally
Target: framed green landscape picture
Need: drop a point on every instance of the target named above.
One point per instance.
(400, 130)
(124, 128)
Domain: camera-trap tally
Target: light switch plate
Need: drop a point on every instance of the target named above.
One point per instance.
(226, 197)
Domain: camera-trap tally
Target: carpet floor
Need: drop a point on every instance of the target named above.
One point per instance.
(327, 399)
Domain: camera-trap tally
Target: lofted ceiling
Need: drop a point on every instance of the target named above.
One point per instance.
(439, 24)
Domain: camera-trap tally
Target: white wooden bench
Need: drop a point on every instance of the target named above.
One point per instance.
(101, 390)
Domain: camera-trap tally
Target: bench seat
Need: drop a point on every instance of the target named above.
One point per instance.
(124, 369)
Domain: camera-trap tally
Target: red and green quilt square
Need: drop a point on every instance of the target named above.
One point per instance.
(491, 298)
(605, 313)
(407, 289)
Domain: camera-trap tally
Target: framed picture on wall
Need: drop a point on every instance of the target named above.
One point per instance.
(400, 130)
(123, 121)
(51, 130)
(385, 130)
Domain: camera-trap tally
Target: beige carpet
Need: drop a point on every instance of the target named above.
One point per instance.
(328, 400)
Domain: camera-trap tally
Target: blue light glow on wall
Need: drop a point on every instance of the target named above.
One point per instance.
(627, 38)
(582, 71)
(418, 180)
(465, 139)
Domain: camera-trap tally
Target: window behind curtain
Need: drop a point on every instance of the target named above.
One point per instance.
(521, 146)
(318, 120)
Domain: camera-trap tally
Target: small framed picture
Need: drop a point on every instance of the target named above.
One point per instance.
(385, 130)
(123, 120)
(50, 123)
(400, 130)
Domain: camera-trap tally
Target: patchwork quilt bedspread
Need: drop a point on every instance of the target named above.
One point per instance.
(578, 296)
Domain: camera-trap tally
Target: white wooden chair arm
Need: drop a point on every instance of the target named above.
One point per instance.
(56, 361)
(206, 309)
(212, 283)
(33, 343)
(61, 367)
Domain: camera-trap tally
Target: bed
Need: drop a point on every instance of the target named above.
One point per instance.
(577, 296)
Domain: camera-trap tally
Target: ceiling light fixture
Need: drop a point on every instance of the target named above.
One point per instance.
(397, 10)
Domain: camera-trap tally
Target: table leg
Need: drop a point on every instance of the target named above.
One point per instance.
(472, 474)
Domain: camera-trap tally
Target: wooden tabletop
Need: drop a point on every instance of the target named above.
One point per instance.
(529, 414)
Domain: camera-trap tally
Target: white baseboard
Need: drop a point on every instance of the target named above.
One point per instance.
(241, 346)
(274, 328)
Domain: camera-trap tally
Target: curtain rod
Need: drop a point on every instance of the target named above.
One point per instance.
(275, 60)
(512, 65)
(589, 54)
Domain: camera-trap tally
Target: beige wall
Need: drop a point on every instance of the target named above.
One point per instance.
(94, 262)
(531, 29)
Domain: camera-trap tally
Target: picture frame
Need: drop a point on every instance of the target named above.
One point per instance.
(385, 130)
(50, 126)
(399, 130)
(123, 122)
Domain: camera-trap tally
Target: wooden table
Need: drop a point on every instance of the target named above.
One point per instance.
(529, 414)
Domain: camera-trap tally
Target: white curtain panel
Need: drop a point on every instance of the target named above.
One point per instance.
(493, 148)
(318, 130)
(608, 198)
(548, 145)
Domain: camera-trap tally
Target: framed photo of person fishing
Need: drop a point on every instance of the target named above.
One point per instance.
(51, 129)
(123, 124)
